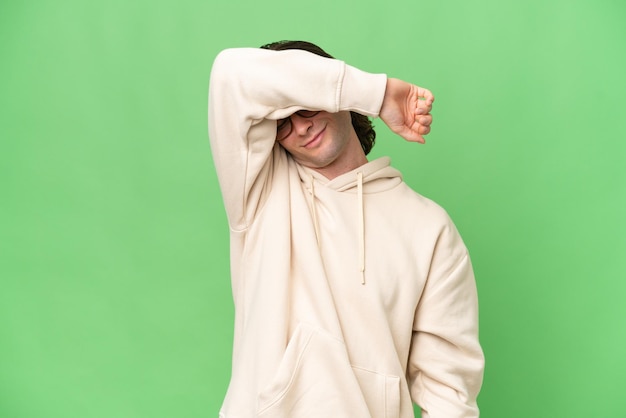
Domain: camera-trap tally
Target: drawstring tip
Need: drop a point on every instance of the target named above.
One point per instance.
(362, 277)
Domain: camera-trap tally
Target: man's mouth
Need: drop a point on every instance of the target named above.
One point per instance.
(315, 140)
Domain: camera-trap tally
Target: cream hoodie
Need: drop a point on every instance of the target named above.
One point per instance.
(352, 296)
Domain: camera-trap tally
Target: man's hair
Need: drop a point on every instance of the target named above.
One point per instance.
(361, 123)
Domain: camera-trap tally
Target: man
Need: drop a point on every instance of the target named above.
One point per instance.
(353, 294)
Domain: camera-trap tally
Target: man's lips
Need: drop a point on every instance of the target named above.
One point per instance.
(315, 139)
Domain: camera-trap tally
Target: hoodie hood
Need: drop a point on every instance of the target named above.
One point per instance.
(378, 176)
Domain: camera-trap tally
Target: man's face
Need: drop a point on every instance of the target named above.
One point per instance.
(318, 139)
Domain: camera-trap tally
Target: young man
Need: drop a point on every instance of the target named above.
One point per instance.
(353, 294)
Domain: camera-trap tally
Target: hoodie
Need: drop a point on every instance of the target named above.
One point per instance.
(353, 296)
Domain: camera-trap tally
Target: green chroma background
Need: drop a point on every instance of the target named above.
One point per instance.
(114, 293)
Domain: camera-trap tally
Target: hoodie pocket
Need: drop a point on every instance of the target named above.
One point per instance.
(381, 392)
(314, 379)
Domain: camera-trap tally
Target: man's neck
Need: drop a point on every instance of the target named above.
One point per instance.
(341, 167)
(350, 158)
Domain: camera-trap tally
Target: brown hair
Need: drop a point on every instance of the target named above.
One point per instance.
(361, 123)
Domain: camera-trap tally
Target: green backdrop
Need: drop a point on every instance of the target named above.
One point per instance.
(114, 288)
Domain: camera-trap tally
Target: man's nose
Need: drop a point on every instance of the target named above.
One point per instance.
(300, 124)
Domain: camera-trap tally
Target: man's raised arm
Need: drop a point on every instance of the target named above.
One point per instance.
(249, 89)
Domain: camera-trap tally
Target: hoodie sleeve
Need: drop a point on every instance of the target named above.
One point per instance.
(249, 89)
(446, 361)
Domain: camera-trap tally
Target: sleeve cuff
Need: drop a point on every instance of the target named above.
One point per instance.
(362, 92)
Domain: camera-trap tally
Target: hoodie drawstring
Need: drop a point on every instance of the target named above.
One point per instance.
(314, 211)
(361, 220)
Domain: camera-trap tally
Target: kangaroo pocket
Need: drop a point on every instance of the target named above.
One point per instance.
(381, 392)
(315, 379)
